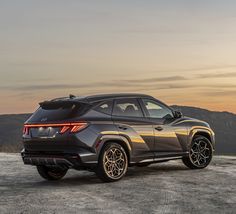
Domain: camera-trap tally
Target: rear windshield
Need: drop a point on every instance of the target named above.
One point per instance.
(57, 113)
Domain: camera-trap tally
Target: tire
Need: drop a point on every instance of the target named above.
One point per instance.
(112, 163)
(51, 174)
(200, 153)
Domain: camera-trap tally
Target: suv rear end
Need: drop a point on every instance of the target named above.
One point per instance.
(54, 135)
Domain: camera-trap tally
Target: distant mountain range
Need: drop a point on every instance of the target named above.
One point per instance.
(11, 126)
(223, 124)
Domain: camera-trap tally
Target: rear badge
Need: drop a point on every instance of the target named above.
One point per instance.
(44, 119)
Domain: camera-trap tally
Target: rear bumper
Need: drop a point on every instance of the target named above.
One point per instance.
(63, 160)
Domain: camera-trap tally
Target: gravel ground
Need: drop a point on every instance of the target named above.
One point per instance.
(160, 188)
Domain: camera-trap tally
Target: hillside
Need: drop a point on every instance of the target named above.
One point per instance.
(223, 123)
(11, 127)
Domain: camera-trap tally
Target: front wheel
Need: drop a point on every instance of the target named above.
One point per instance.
(200, 153)
(112, 163)
(51, 174)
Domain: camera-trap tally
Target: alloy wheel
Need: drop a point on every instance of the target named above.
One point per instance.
(115, 163)
(200, 153)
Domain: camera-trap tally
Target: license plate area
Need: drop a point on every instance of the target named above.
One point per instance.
(43, 132)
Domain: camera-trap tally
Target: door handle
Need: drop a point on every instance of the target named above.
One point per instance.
(122, 127)
(159, 128)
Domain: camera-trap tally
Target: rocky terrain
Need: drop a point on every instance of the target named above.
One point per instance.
(160, 188)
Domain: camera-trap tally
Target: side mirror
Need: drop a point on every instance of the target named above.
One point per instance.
(178, 114)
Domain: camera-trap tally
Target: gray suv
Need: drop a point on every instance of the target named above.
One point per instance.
(109, 133)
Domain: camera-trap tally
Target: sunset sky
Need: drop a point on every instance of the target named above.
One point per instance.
(182, 52)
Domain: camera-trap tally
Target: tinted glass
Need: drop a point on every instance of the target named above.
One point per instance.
(105, 107)
(157, 110)
(127, 108)
(57, 114)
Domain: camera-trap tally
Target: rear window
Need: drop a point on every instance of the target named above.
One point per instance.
(127, 108)
(57, 113)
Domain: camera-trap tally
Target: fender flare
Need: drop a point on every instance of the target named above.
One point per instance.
(116, 138)
(194, 130)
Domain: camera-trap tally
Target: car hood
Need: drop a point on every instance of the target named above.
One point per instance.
(192, 121)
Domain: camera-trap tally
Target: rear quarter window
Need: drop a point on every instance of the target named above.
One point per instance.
(105, 107)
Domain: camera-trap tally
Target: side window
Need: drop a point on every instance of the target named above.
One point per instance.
(127, 108)
(105, 107)
(157, 110)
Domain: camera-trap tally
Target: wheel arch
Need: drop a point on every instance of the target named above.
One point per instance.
(207, 133)
(117, 139)
(204, 134)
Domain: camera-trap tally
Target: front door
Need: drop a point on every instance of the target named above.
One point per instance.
(162, 118)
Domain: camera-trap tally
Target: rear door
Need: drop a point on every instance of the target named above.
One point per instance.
(131, 123)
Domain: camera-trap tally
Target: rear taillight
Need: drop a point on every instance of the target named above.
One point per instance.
(26, 130)
(73, 127)
(64, 127)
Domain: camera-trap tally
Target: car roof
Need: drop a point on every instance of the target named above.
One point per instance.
(101, 97)
(98, 97)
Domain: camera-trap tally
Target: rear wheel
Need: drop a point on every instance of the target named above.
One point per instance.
(200, 153)
(112, 163)
(51, 174)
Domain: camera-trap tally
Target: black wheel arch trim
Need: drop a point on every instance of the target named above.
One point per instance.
(205, 132)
